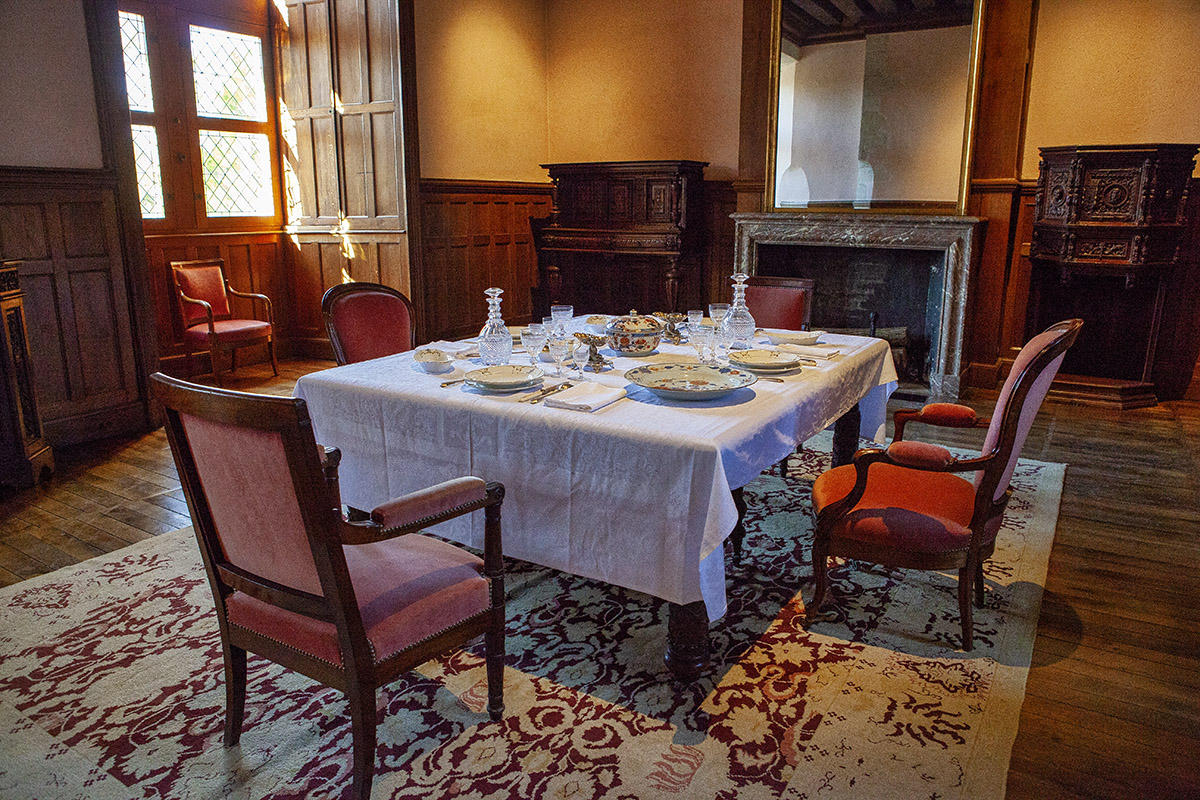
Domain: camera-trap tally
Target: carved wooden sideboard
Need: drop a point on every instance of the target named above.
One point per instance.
(1109, 224)
(624, 234)
(24, 455)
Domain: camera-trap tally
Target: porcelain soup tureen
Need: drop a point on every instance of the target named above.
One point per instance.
(634, 334)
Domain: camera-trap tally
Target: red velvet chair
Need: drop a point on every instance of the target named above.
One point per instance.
(367, 320)
(780, 302)
(207, 320)
(906, 506)
(349, 604)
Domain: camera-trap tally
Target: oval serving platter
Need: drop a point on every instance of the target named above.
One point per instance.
(689, 381)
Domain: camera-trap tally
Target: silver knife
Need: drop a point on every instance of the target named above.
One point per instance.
(547, 393)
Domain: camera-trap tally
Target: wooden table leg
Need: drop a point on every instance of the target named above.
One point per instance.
(845, 436)
(739, 530)
(687, 640)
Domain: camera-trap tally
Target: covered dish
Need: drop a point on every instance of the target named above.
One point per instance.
(634, 334)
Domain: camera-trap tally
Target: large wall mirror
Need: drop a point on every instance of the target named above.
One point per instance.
(873, 104)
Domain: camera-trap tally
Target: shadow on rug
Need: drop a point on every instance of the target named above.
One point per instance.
(110, 683)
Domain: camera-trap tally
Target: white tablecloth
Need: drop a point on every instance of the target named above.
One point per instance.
(636, 494)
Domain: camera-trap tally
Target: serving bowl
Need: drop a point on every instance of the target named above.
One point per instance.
(634, 334)
(793, 337)
(433, 361)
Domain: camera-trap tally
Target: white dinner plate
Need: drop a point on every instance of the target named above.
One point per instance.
(765, 360)
(504, 376)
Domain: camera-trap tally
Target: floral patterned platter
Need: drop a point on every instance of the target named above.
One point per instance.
(765, 360)
(689, 381)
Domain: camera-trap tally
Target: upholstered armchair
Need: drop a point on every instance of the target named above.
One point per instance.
(206, 318)
(909, 506)
(367, 320)
(780, 302)
(349, 604)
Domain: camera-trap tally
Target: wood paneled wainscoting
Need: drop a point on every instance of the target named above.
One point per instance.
(476, 234)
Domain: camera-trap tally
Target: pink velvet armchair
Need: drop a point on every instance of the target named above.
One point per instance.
(367, 320)
(349, 604)
(207, 320)
(907, 506)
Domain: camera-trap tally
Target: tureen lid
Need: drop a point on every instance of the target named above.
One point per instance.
(633, 322)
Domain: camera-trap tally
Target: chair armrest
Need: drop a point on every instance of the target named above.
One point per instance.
(946, 415)
(203, 304)
(253, 296)
(422, 508)
(920, 455)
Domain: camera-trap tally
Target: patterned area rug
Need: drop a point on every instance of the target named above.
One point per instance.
(111, 687)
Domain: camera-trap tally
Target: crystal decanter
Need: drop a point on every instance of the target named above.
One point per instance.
(738, 318)
(495, 341)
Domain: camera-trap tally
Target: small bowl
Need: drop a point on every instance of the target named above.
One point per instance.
(793, 337)
(596, 323)
(433, 361)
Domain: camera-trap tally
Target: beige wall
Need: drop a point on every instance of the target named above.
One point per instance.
(481, 89)
(1113, 72)
(49, 106)
(652, 79)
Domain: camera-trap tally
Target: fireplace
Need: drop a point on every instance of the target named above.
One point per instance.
(897, 272)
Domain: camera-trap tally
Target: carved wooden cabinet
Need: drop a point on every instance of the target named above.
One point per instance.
(624, 234)
(1109, 224)
(24, 455)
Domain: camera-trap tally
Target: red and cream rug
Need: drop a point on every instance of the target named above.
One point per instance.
(111, 683)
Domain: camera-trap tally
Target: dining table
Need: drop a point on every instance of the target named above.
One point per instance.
(644, 493)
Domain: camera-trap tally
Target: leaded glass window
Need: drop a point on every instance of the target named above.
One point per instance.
(149, 172)
(137, 61)
(227, 70)
(237, 174)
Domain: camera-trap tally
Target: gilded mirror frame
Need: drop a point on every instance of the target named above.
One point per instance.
(919, 207)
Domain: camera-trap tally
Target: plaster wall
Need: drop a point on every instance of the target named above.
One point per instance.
(48, 99)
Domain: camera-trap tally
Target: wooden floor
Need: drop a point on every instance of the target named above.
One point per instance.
(1112, 707)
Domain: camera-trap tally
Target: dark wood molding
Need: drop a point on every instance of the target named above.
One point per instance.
(410, 138)
(464, 186)
(754, 121)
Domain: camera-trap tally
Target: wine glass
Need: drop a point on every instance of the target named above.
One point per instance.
(554, 327)
(562, 314)
(701, 340)
(580, 355)
(695, 320)
(560, 347)
(722, 342)
(716, 312)
(533, 338)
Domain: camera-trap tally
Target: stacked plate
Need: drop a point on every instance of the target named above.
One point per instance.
(765, 361)
(689, 381)
(504, 378)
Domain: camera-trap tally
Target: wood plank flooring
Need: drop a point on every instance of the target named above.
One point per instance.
(1112, 707)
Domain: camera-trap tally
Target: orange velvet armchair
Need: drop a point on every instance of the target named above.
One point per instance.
(349, 604)
(207, 320)
(907, 506)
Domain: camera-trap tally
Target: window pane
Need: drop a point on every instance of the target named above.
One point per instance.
(137, 61)
(237, 174)
(149, 174)
(227, 69)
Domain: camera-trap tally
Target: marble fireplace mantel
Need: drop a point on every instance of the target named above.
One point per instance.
(954, 236)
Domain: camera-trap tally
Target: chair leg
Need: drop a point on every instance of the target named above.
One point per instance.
(214, 356)
(232, 360)
(782, 465)
(979, 584)
(362, 720)
(494, 642)
(187, 360)
(271, 350)
(235, 693)
(820, 555)
(965, 579)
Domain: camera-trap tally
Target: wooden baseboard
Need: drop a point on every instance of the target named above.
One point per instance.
(1105, 392)
(120, 420)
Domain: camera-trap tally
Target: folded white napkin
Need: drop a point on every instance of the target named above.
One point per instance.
(455, 349)
(822, 351)
(585, 397)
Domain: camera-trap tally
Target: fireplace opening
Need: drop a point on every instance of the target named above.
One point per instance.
(893, 292)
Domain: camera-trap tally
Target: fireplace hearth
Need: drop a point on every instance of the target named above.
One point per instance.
(912, 271)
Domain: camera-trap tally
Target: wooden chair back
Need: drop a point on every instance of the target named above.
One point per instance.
(367, 320)
(780, 302)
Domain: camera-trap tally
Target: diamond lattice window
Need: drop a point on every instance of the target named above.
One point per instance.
(137, 61)
(227, 69)
(237, 174)
(149, 173)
